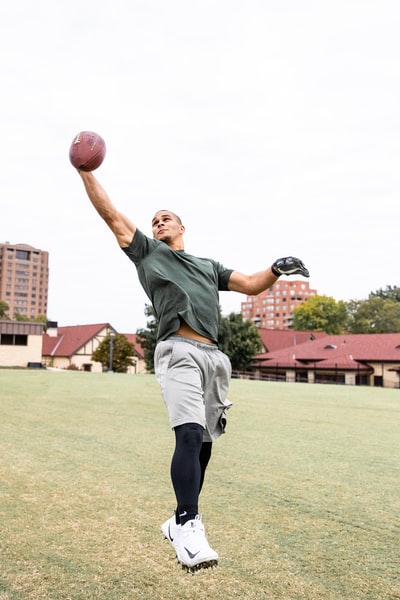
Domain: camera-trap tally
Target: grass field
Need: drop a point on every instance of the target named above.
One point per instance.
(301, 499)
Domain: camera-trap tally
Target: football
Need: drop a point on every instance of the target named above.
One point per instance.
(87, 151)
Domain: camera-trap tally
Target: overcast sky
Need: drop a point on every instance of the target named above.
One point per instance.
(272, 128)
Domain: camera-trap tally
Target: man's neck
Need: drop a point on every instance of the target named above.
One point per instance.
(175, 245)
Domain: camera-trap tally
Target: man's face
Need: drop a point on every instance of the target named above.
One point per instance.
(166, 227)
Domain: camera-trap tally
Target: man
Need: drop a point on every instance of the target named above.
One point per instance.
(193, 373)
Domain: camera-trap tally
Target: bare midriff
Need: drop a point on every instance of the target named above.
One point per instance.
(186, 331)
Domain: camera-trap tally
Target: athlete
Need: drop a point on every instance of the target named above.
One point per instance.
(192, 372)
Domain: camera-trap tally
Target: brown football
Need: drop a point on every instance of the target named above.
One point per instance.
(87, 151)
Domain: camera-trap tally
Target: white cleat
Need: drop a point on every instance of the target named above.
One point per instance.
(171, 532)
(193, 550)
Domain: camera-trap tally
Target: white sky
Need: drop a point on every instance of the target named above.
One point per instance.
(272, 128)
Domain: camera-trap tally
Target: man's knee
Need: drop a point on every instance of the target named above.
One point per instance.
(189, 435)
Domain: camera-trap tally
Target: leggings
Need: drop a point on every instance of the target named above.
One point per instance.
(188, 466)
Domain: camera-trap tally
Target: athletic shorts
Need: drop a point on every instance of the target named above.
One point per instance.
(194, 379)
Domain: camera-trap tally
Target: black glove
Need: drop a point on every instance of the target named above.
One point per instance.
(290, 265)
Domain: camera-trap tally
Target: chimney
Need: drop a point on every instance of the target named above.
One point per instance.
(52, 328)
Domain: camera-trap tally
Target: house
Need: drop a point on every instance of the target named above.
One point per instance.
(20, 344)
(357, 359)
(72, 347)
(277, 339)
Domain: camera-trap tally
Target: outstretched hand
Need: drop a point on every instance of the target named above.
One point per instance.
(289, 265)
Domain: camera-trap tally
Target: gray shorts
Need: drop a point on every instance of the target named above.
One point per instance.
(194, 379)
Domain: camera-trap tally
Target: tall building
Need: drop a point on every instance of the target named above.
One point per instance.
(273, 309)
(24, 279)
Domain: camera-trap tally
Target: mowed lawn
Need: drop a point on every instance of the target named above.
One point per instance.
(301, 500)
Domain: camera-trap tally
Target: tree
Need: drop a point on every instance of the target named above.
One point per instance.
(390, 293)
(240, 340)
(320, 313)
(42, 319)
(122, 354)
(19, 317)
(148, 337)
(3, 309)
(38, 319)
(375, 315)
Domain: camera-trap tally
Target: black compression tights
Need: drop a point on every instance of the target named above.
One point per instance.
(188, 466)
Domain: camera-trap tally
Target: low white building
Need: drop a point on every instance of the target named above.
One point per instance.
(20, 344)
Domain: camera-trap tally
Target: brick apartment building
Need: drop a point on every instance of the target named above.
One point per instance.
(24, 279)
(273, 309)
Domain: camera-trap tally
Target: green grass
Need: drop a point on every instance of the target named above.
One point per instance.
(301, 499)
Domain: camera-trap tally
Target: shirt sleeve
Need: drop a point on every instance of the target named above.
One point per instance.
(223, 276)
(139, 247)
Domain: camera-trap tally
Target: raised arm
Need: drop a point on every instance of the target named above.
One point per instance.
(120, 225)
(252, 285)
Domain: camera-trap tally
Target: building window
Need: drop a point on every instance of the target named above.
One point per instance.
(22, 254)
(11, 339)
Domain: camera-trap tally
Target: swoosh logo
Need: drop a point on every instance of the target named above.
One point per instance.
(169, 533)
(190, 554)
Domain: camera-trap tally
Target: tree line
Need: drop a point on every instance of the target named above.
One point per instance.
(380, 313)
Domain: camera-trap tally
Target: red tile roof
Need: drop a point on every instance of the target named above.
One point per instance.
(277, 339)
(70, 339)
(131, 337)
(344, 351)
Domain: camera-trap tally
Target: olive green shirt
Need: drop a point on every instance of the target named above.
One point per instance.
(181, 287)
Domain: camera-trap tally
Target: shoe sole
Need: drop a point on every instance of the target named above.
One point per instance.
(207, 564)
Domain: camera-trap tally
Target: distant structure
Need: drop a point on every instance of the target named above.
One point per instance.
(24, 279)
(273, 309)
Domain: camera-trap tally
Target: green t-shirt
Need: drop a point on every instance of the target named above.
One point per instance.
(179, 286)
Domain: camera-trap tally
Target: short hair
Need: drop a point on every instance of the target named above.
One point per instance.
(171, 213)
